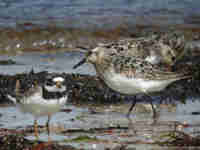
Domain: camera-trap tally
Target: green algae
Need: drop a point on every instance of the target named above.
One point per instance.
(82, 138)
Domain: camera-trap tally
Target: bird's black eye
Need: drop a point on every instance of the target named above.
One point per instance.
(49, 82)
(89, 53)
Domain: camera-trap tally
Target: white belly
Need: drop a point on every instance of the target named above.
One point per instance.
(40, 107)
(133, 86)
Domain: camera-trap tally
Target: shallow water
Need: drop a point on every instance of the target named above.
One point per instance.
(81, 120)
(51, 62)
(80, 13)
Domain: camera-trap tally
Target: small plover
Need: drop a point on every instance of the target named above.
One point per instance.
(41, 100)
(129, 75)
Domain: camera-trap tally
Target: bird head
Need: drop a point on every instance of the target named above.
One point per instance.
(93, 56)
(55, 84)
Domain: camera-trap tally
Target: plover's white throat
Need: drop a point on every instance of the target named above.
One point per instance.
(42, 100)
(128, 74)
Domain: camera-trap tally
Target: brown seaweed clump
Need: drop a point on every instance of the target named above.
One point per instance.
(18, 142)
(181, 139)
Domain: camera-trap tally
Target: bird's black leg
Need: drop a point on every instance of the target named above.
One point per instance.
(155, 115)
(130, 123)
(132, 106)
(154, 110)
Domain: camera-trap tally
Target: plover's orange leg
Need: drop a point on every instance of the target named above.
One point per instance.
(48, 129)
(47, 124)
(36, 130)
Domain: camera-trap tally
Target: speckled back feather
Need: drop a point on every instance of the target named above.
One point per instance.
(135, 67)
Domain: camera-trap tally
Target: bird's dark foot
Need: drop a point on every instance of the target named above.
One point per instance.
(131, 126)
(36, 130)
(155, 117)
(47, 128)
(155, 114)
(48, 131)
(130, 123)
(128, 115)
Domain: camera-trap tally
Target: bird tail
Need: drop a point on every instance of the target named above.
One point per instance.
(13, 97)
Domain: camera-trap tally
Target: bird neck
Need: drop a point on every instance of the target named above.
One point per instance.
(51, 95)
(102, 64)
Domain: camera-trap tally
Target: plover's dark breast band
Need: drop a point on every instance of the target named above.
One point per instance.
(52, 95)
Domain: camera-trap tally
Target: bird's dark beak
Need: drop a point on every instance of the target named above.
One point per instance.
(80, 63)
(84, 60)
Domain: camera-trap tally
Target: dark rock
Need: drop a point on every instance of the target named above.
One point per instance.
(7, 62)
(195, 113)
(86, 89)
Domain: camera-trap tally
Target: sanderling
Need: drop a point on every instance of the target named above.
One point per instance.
(128, 74)
(41, 100)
